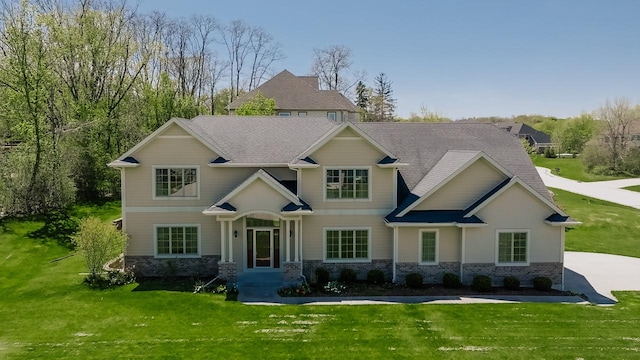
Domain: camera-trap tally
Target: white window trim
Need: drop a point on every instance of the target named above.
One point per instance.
(437, 257)
(352, 228)
(324, 183)
(173, 256)
(335, 115)
(302, 113)
(284, 113)
(174, 198)
(497, 253)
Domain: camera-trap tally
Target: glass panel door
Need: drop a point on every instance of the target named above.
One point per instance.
(263, 248)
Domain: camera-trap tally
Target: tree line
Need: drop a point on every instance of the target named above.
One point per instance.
(82, 81)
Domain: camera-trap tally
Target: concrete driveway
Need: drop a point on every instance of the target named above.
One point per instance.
(604, 190)
(596, 275)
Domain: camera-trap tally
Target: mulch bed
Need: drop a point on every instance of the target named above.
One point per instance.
(390, 289)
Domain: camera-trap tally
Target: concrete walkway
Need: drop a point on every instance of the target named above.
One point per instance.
(604, 190)
(596, 275)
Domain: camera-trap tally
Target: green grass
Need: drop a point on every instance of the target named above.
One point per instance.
(570, 168)
(46, 312)
(607, 227)
(633, 188)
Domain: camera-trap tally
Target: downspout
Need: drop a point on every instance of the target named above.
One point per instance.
(395, 252)
(300, 249)
(462, 252)
(562, 254)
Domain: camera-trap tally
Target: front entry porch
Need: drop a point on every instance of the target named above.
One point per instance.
(266, 243)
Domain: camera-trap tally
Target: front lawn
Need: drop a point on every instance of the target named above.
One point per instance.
(46, 312)
(607, 227)
(570, 168)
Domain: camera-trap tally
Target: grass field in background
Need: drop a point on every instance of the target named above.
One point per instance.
(570, 168)
(607, 227)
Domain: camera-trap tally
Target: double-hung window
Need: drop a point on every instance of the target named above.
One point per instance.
(428, 246)
(176, 182)
(177, 240)
(512, 247)
(347, 183)
(346, 244)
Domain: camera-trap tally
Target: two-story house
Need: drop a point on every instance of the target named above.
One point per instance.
(234, 195)
(301, 96)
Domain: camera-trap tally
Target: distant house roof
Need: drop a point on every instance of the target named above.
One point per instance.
(292, 92)
(525, 130)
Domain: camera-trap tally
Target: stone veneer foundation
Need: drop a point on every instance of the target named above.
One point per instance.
(228, 271)
(291, 271)
(143, 266)
(362, 268)
(524, 273)
(432, 274)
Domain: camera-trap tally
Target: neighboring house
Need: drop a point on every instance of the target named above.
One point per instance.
(234, 195)
(538, 140)
(301, 96)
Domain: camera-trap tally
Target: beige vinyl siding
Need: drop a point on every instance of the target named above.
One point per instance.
(140, 228)
(464, 189)
(381, 236)
(517, 209)
(214, 183)
(259, 196)
(409, 244)
(346, 153)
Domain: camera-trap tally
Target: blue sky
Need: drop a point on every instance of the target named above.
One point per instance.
(460, 58)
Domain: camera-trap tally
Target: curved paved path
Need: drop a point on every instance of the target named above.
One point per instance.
(596, 275)
(604, 190)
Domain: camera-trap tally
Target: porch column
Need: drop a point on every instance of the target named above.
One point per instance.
(230, 236)
(288, 242)
(296, 243)
(223, 248)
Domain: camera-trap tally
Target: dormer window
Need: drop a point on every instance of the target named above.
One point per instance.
(331, 115)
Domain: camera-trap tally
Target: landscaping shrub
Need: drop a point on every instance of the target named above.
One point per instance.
(481, 283)
(334, 287)
(451, 281)
(550, 153)
(375, 276)
(414, 280)
(348, 276)
(110, 280)
(232, 292)
(511, 283)
(322, 275)
(295, 290)
(542, 283)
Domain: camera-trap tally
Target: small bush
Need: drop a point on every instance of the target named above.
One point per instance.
(322, 275)
(334, 287)
(481, 283)
(550, 153)
(542, 283)
(375, 276)
(414, 280)
(451, 281)
(295, 290)
(511, 283)
(348, 276)
(110, 280)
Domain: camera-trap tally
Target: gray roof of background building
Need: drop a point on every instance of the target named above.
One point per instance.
(273, 139)
(292, 92)
(540, 137)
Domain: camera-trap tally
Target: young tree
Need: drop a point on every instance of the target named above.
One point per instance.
(362, 99)
(98, 242)
(616, 118)
(574, 133)
(257, 105)
(382, 102)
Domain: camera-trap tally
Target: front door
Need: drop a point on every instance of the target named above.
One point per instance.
(263, 248)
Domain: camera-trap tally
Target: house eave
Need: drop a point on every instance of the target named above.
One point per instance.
(392, 165)
(419, 224)
(562, 223)
(118, 164)
(251, 165)
(303, 166)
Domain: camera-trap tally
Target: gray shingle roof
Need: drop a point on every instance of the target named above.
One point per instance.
(297, 93)
(261, 139)
(422, 145)
(441, 147)
(519, 129)
(445, 167)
